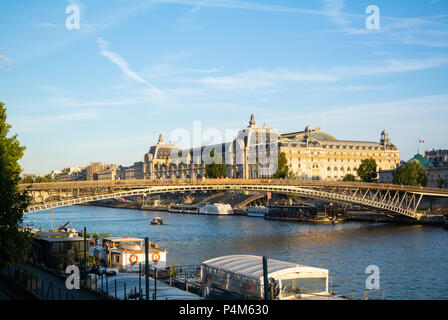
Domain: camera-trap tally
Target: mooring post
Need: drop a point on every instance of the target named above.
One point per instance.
(85, 257)
(140, 281)
(147, 267)
(155, 282)
(265, 278)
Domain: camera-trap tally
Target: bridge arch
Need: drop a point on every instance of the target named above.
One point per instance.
(395, 202)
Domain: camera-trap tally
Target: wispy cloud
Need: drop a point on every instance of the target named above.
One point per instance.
(333, 9)
(256, 79)
(48, 25)
(124, 66)
(393, 66)
(40, 123)
(236, 4)
(166, 70)
(8, 63)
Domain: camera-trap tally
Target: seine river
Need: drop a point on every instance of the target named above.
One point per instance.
(412, 259)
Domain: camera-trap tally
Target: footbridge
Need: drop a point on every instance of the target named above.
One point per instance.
(392, 200)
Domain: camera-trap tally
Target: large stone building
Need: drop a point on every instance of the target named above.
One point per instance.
(316, 155)
(311, 154)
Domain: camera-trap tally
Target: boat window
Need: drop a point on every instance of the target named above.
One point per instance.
(303, 285)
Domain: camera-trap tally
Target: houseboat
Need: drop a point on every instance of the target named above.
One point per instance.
(257, 211)
(241, 277)
(176, 209)
(126, 253)
(216, 209)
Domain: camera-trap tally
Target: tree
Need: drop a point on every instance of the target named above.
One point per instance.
(217, 168)
(14, 242)
(282, 167)
(440, 183)
(349, 177)
(367, 170)
(410, 174)
(29, 179)
(293, 175)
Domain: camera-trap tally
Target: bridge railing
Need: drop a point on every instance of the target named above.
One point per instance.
(135, 183)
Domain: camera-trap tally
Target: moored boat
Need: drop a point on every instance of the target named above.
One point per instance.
(126, 253)
(241, 277)
(175, 209)
(216, 209)
(257, 211)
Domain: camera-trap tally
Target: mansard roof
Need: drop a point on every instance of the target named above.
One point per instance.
(318, 135)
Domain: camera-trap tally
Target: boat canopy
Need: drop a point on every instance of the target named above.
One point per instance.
(252, 267)
(122, 239)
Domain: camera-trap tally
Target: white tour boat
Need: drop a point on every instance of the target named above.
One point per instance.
(216, 209)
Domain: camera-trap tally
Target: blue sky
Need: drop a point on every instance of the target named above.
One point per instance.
(135, 69)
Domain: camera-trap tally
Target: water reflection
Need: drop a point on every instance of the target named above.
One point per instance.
(412, 259)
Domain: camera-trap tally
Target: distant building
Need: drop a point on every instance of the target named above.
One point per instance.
(99, 171)
(311, 154)
(437, 177)
(132, 172)
(109, 172)
(439, 158)
(92, 170)
(316, 155)
(71, 174)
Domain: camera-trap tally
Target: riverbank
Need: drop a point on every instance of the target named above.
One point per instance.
(349, 216)
(368, 216)
(126, 205)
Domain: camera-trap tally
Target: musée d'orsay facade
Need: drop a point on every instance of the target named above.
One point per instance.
(312, 154)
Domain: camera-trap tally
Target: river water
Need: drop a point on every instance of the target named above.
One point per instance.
(412, 259)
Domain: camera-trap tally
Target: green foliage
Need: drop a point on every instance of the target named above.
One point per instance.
(411, 174)
(81, 234)
(14, 242)
(43, 179)
(217, 168)
(440, 183)
(367, 170)
(349, 177)
(29, 179)
(293, 175)
(282, 167)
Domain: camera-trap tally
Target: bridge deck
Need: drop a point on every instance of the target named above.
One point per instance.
(143, 183)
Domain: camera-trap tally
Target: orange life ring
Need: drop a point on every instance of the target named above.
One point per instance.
(133, 259)
(155, 257)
